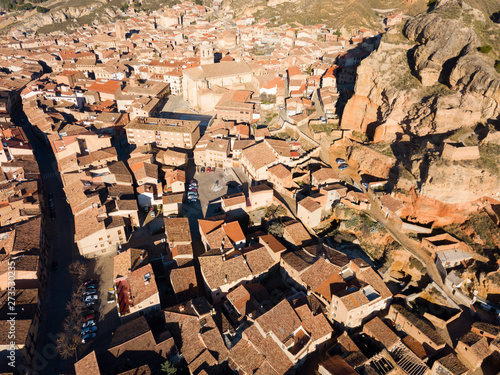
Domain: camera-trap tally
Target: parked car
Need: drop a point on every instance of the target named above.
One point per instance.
(340, 161)
(87, 330)
(193, 195)
(193, 188)
(88, 317)
(89, 298)
(366, 185)
(192, 200)
(343, 166)
(152, 214)
(202, 169)
(90, 305)
(91, 287)
(90, 292)
(89, 281)
(87, 337)
(88, 311)
(193, 182)
(90, 323)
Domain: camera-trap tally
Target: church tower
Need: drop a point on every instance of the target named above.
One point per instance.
(206, 54)
(121, 30)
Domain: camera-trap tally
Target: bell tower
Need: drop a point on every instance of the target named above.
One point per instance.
(121, 30)
(206, 53)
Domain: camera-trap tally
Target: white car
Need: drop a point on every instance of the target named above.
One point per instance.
(92, 297)
(90, 323)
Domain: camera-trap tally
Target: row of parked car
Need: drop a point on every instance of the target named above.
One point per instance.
(52, 208)
(208, 169)
(90, 297)
(342, 164)
(192, 193)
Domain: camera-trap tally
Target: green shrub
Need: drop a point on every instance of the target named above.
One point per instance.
(40, 9)
(497, 66)
(485, 49)
(431, 3)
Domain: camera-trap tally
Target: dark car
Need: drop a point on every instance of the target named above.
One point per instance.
(88, 311)
(89, 293)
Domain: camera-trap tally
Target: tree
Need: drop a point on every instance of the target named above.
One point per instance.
(485, 49)
(168, 368)
(78, 270)
(276, 229)
(66, 344)
(275, 211)
(497, 66)
(41, 9)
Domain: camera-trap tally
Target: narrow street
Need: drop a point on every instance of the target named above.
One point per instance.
(351, 176)
(60, 239)
(409, 244)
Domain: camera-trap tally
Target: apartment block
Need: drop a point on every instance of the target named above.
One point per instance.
(163, 132)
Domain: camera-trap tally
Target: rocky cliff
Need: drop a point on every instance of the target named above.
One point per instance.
(428, 84)
(64, 17)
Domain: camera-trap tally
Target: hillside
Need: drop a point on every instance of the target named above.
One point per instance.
(67, 15)
(430, 85)
(347, 14)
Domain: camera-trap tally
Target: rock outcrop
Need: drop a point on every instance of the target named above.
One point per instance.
(440, 41)
(414, 93)
(457, 86)
(60, 15)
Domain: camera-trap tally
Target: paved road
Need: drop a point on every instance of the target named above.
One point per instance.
(60, 239)
(351, 176)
